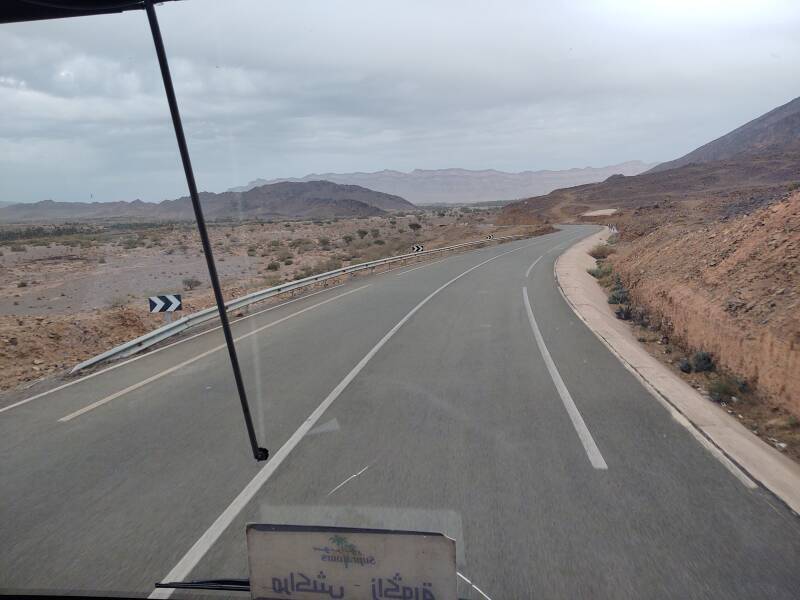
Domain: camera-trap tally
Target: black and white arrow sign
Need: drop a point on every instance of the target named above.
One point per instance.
(490, 236)
(166, 303)
(417, 248)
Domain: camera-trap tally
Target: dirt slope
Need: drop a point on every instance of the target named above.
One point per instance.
(731, 288)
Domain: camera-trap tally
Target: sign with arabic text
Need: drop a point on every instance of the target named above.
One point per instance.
(311, 563)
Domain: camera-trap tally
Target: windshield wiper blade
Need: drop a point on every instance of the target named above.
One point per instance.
(231, 585)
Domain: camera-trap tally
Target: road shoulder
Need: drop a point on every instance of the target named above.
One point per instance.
(761, 462)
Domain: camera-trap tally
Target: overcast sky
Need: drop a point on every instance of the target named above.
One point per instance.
(280, 89)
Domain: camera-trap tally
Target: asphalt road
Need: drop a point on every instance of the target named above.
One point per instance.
(434, 405)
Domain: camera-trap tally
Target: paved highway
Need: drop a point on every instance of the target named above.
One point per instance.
(461, 395)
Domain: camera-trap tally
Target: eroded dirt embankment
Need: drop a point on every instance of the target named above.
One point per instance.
(732, 289)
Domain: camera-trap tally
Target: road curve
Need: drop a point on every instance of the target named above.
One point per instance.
(461, 395)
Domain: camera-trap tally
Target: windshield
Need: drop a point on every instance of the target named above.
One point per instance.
(523, 275)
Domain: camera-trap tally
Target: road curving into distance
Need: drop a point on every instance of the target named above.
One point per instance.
(462, 395)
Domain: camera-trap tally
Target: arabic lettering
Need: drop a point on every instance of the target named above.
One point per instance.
(300, 582)
(393, 589)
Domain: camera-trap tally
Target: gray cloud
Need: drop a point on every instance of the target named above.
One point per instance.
(273, 89)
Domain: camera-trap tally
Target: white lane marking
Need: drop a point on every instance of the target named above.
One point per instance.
(193, 556)
(174, 368)
(473, 585)
(151, 352)
(528, 272)
(436, 262)
(353, 476)
(695, 431)
(592, 451)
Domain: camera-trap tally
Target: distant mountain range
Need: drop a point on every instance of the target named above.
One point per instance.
(286, 200)
(449, 186)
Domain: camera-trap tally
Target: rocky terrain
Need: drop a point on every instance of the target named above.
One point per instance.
(306, 200)
(714, 183)
(449, 186)
(731, 288)
(776, 129)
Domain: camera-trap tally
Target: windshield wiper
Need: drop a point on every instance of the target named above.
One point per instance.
(230, 585)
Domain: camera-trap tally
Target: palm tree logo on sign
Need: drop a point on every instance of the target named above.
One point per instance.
(344, 552)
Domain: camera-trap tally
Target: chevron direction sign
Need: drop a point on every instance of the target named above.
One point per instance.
(417, 248)
(490, 236)
(165, 303)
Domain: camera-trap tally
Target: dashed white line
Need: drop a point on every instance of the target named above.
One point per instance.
(592, 451)
(193, 556)
(174, 368)
(528, 272)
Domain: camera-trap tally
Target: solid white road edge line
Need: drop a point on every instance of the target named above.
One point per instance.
(528, 272)
(592, 451)
(708, 444)
(185, 565)
(152, 352)
(174, 368)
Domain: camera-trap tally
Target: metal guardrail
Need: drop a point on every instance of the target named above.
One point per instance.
(153, 337)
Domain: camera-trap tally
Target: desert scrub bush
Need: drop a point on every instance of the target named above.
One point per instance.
(300, 244)
(379, 242)
(612, 239)
(415, 227)
(375, 233)
(251, 250)
(600, 271)
(273, 266)
(362, 233)
(18, 248)
(274, 243)
(702, 361)
(288, 261)
(723, 387)
(191, 283)
(324, 243)
(619, 294)
(623, 312)
(284, 255)
(347, 239)
(331, 264)
(117, 302)
(601, 251)
(131, 243)
(22, 284)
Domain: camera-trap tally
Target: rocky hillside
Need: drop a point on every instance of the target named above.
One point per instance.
(731, 288)
(767, 165)
(778, 129)
(306, 200)
(425, 186)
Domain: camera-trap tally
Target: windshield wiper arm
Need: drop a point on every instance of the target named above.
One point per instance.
(231, 585)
